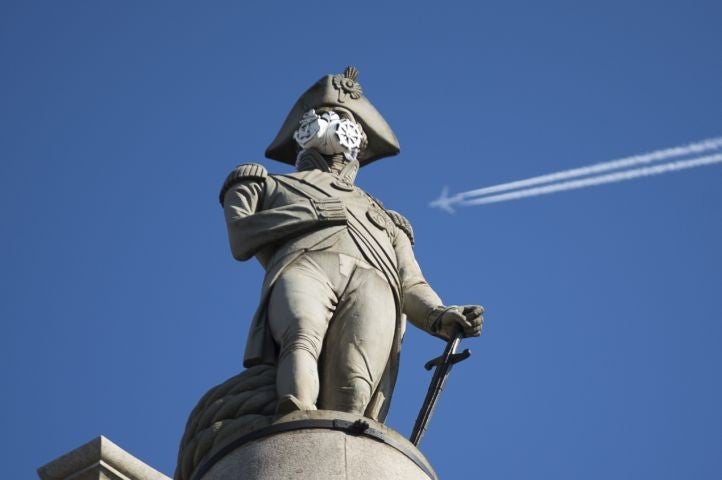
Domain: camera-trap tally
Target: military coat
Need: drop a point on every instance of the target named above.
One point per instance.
(279, 218)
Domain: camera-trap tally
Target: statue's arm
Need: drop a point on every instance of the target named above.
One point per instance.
(420, 300)
(251, 228)
(422, 305)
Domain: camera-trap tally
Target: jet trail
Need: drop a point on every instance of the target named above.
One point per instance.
(598, 180)
(627, 162)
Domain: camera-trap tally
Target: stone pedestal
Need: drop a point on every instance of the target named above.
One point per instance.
(317, 445)
(99, 459)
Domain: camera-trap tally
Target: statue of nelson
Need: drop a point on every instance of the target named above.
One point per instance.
(341, 277)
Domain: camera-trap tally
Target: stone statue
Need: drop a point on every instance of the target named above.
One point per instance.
(341, 277)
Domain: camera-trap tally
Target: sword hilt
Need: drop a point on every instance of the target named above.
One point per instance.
(454, 358)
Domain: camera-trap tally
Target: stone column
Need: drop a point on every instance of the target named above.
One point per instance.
(316, 445)
(99, 459)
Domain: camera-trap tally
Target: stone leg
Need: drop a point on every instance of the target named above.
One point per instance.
(299, 311)
(358, 342)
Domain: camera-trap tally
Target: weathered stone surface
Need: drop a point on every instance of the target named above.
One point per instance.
(99, 459)
(321, 453)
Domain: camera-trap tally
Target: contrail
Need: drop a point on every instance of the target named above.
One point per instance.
(598, 180)
(627, 162)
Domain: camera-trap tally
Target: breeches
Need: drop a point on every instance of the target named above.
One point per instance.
(333, 318)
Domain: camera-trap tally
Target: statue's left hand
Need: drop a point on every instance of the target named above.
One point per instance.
(469, 318)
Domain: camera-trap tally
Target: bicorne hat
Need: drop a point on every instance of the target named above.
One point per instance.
(340, 91)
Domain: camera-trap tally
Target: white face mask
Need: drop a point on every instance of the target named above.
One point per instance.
(329, 134)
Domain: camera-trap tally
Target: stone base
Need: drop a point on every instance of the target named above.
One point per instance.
(99, 459)
(318, 445)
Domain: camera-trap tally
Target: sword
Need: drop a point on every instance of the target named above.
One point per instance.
(443, 366)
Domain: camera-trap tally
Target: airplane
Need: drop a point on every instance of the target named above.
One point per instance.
(444, 202)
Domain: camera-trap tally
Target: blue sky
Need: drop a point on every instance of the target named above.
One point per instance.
(121, 304)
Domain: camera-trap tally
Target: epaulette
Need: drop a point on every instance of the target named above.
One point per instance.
(245, 171)
(402, 223)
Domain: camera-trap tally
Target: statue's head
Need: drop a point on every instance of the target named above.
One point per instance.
(333, 117)
(331, 132)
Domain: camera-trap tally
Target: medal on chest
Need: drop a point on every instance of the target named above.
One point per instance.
(377, 216)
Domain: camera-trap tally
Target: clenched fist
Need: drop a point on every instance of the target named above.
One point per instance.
(467, 318)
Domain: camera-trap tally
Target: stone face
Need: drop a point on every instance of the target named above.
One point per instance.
(99, 459)
(310, 452)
